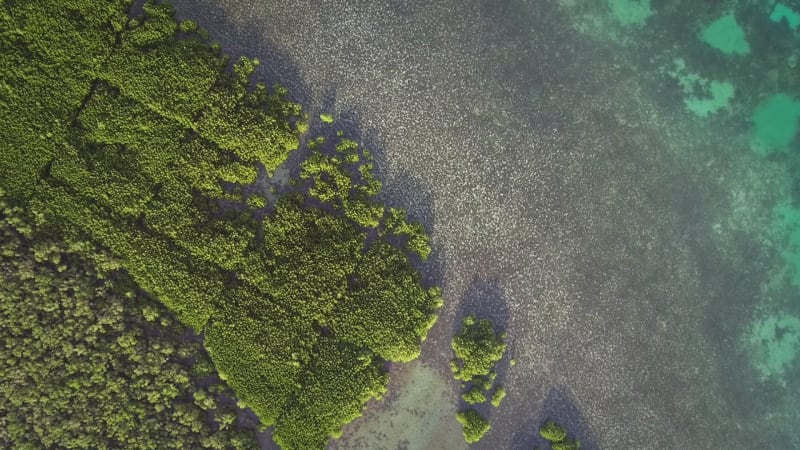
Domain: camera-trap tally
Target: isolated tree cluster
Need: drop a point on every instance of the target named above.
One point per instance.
(478, 347)
(130, 134)
(556, 436)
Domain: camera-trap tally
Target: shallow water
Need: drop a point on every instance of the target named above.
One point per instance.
(416, 415)
(614, 182)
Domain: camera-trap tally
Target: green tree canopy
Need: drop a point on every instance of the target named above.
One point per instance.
(477, 347)
(90, 362)
(498, 395)
(129, 134)
(556, 435)
(474, 425)
(474, 395)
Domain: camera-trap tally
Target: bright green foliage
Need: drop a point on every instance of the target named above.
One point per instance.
(498, 395)
(345, 181)
(416, 240)
(130, 136)
(556, 435)
(256, 202)
(474, 425)
(83, 367)
(260, 357)
(316, 142)
(478, 347)
(474, 395)
(39, 100)
(336, 383)
(390, 310)
(187, 26)
(326, 118)
(552, 431)
(484, 381)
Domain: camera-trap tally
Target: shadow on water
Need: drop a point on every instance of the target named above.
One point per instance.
(560, 407)
(487, 300)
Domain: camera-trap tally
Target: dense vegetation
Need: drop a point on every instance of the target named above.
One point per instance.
(473, 423)
(478, 348)
(129, 134)
(556, 436)
(89, 362)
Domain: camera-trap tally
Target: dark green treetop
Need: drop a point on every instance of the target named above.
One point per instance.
(91, 362)
(498, 395)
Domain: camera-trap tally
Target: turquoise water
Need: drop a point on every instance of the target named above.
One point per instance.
(615, 182)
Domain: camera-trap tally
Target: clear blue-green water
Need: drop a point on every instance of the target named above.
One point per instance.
(615, 182)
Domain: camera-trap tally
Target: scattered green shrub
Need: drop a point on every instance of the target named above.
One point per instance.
(498, 395)
(474, 425)
(256, 202)
(474, 395)
(556, 435)
(552, 431)
(187, 26)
